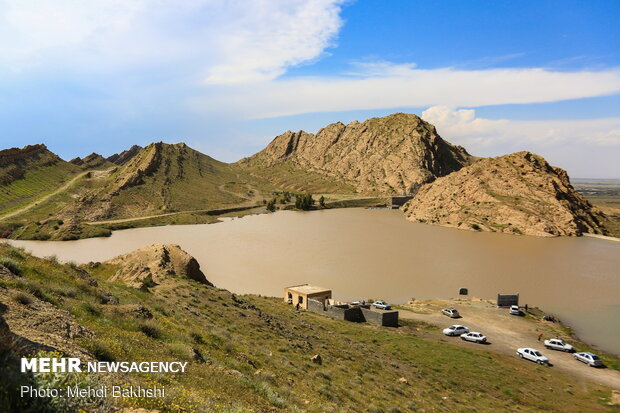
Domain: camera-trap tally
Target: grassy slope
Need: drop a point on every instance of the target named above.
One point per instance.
(184, 181)
(258, 350)
(35, 183)
(288, 177)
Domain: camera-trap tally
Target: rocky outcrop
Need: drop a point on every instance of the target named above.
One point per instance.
(38, 325)
(144, 163)
(125, 156)
(6, 337)
(518, 193)
(94, 160)
(154, 264)
(394, 155)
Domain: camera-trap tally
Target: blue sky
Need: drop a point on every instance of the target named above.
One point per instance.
(226, 77)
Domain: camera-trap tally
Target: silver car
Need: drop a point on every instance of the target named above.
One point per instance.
(475, 337)
(532, 354)
(455, 330)
(451, 312)
(590, 359)
(558, 344)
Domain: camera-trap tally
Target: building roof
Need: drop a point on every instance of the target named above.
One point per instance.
(308, 289)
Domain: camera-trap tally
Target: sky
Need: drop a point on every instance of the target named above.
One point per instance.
(226, 77)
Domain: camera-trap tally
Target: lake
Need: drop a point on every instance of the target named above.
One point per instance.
(377, 254)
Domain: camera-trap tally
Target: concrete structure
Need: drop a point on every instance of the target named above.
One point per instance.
(300, 294)
(506, 300)
(355, 313)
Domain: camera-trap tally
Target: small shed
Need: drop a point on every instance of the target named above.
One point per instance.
(299, 294)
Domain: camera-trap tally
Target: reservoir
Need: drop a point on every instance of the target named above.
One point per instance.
(378, 254)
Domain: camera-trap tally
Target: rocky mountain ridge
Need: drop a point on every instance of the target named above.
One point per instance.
(391, 155)
(518, 193)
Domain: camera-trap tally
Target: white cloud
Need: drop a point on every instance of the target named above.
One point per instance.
(586, 147)
(382, 86)
(219, 41)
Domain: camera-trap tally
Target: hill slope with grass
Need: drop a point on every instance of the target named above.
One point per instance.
(518, 193)
(30, 172)
(251, 353)
(390, 155)
(159, 179)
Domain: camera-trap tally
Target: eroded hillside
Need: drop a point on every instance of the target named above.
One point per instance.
(390, 155)
(518, 193)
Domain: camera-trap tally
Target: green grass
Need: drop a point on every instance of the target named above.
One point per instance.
(258, 349)
(35, 183)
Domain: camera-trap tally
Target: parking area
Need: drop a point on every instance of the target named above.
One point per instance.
(505, 333)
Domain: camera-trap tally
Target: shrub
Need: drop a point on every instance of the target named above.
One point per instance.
(476, 227)
(100, 351)
(22, 298)
(150, 330)
(197, 338)
(12, 266)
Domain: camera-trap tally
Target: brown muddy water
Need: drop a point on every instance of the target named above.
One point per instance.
(377, 254)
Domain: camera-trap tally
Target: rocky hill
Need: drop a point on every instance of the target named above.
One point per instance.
(28, 172)
(161, 178)
(151, 265)
(518, 193)
(94, 160)
(393, 155)
(125, 156)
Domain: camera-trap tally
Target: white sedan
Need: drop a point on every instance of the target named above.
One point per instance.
(559, 344)
(455, 330)
(589, 358)
(532, 355)
(475, 337)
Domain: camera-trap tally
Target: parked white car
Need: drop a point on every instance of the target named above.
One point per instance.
(559, 344)
(532, 355)
(381, 305)
(515, 310)
(451, 312)
(590, 359)
(455, 330)
(475, 337)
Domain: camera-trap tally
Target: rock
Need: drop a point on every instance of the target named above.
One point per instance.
(6, 337)
(197, 356)
(125, 156)
(151, 265)
(143, 312)
(518, 193)
(41, 326)
(392, 155)
(109, 299)
(316, 359)
(403, 380)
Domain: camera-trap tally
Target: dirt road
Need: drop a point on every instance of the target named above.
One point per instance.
(45, 197)
(506, 333)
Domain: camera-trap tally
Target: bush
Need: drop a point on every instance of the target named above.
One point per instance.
(197, 338)
(100, 351)
(476, 227)
(12, 266)
(150, 330)
(22, 298)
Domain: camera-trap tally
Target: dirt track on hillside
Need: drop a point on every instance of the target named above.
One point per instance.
(505, 334)
(45, 197)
